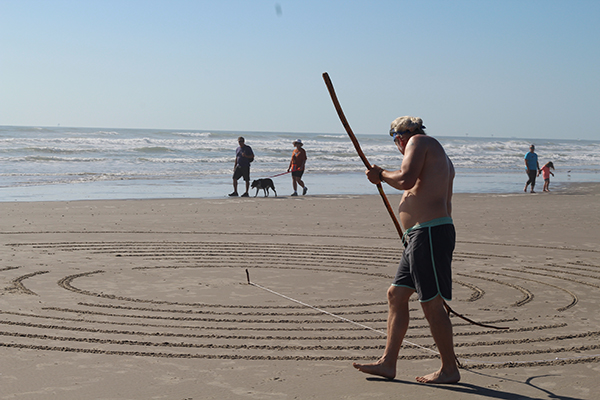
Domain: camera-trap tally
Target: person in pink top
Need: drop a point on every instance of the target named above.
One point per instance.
(545, 170)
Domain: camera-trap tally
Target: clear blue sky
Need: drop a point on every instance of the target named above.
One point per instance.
(523, 68)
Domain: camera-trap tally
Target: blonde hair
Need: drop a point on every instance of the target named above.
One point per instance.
(411, 124)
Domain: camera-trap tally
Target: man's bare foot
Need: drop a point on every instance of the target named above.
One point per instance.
(440, 377)
(376, 368)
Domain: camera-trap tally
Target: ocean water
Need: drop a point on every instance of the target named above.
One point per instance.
(59, 163)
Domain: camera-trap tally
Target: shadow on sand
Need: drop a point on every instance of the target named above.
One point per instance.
(485, 392)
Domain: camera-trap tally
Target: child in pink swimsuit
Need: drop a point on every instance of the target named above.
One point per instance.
(546, 174)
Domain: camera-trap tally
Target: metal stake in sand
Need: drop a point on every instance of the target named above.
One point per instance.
(331, 314)
(362, 156)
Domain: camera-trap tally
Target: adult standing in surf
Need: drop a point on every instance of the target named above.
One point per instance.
(426, 176)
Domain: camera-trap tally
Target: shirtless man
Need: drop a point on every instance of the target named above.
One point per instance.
(426, 176)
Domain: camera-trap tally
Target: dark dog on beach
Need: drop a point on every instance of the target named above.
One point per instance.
(263, 184)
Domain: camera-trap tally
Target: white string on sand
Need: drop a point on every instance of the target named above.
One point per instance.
(332, 314)
(406, 341)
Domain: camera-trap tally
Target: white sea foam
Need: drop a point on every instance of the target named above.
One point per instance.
(199, 163)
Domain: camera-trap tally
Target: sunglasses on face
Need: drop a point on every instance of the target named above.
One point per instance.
(395, 134)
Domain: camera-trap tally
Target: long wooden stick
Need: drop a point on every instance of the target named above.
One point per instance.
(362, 156)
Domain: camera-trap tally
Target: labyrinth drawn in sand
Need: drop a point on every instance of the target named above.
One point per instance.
(161, 298)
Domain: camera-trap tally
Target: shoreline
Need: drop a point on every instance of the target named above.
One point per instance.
(556, 188)
(135, 299)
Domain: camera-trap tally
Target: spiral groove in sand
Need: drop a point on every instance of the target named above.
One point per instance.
(163, 298)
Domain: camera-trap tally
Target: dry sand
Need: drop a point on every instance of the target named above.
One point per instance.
(149, 299)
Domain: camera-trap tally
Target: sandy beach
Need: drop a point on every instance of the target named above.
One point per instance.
(149, 299)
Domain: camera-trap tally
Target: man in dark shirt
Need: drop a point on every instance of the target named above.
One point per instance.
(243, 157)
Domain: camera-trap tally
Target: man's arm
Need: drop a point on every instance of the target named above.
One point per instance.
(450, 188)
(291, 161)
(412, 165)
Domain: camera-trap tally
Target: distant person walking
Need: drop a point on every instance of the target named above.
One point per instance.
(297, 167)
(533, 168)
(243, 157)
(546, 174)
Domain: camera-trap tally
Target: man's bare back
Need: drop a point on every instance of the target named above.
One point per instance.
(431, 195)
(426, 176)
